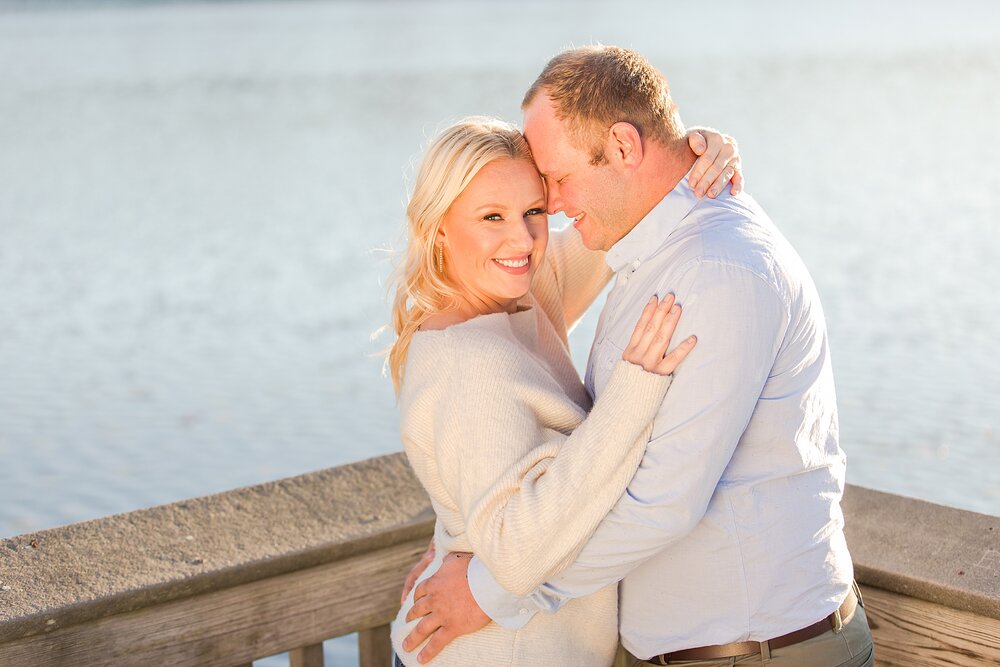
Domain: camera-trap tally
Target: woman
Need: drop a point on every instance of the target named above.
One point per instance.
(494, 418)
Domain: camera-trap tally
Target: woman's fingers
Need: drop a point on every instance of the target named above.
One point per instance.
(730, 173)
(649, 334)
(652, 329)
(672, 360)
(644, 320)
(718, 162)
(737, 179)
(706, 144)
(660, 340)
(717, 175)
(652, 335)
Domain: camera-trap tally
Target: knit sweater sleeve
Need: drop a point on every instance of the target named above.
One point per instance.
(531, 492)
(571, 277)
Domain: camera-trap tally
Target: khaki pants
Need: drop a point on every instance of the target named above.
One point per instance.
(851, 647)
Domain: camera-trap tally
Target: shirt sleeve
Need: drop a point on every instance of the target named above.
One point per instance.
(739, 319)
(527, 514)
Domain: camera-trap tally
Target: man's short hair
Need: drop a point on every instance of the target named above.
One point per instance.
(594, 87)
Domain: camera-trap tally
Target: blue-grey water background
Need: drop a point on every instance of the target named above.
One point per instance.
(193, 195)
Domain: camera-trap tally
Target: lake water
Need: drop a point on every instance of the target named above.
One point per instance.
(194, 200)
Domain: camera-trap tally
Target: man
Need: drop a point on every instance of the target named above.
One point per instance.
(729, 543)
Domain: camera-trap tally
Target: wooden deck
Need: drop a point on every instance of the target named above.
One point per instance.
(227, 579)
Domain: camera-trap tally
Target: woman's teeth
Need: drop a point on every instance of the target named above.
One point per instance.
(513, 263)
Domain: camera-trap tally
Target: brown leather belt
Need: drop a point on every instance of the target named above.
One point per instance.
(834, 621)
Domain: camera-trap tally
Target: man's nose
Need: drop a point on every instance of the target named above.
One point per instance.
(553, 202)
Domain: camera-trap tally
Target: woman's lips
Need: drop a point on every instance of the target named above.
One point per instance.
(517, 267)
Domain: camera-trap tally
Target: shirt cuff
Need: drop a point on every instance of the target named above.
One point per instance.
(504, 608)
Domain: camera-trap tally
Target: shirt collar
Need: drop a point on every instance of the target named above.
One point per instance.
(647, 236)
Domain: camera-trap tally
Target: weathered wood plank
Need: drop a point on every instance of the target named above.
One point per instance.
(236, 625)
(307, 656)
(914, 633)
(123, 563)
(375, 647)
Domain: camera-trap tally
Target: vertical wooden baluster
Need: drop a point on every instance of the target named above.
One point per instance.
(375, 647)
(307, 656)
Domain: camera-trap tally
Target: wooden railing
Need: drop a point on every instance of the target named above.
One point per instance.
(227, 579)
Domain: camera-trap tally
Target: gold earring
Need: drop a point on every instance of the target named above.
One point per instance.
(440, 258)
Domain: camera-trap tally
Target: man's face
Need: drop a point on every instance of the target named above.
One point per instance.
(594, 196)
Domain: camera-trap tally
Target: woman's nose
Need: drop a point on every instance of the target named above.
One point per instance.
(522, 238)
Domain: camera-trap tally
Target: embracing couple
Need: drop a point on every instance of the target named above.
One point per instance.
(687, 493)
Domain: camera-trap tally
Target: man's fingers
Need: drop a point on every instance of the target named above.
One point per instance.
(421, 607)
(414, 574)
(438, 641)
(421, 631)
(407, 585)
(421, 590)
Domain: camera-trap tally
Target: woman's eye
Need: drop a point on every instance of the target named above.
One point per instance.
(535, 211)
(493, 217)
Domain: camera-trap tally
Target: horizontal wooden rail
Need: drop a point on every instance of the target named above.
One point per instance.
(230, 578)
(220, 580)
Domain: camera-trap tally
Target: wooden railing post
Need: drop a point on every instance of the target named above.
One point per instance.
(307, 656)
(375, 647)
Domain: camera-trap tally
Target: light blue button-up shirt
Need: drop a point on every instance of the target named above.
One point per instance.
(731, 530)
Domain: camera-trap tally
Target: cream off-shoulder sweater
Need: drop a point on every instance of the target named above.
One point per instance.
(495, 423)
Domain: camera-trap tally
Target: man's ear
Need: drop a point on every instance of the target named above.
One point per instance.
(624, 145)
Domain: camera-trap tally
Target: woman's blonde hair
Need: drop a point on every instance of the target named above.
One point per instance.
(452, 160)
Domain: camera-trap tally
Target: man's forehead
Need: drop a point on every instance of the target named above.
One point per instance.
(543, 130)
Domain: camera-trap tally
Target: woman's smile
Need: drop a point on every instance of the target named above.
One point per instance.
(517, 267)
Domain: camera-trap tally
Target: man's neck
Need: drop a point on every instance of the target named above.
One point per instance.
(663, 168)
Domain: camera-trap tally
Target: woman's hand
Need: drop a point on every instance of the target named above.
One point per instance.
(717, 164)
(417, 570)
(651, 338)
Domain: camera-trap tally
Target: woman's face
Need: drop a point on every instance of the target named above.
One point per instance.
(495, 234)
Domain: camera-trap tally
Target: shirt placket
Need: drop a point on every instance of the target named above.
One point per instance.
(609, 314)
